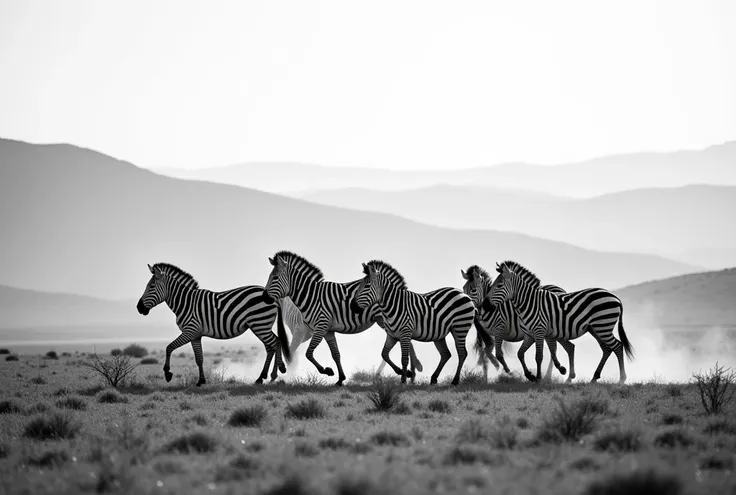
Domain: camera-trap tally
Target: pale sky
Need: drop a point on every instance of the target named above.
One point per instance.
(396, 84)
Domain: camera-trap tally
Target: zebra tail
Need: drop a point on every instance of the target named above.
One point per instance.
(628, 348)
(283, 337)
(484, 345)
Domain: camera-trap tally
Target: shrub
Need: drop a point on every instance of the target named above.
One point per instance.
(52, 355)
(53, 427)
(718, 461)
(671, 419)
(135, 350)
(9, 407)
(439, 406)
(390, 438)
(116, 352)
(248, 416)
(38, 380)
(719, 426)
(75, 403)
(149, 360)
(673, 439)
(384, 394)
(571, 422)
(12, 357)
(114, 371)
(61, 392)
(111, 397)
(716, 388)
(192, 443)
(650, 482)
(4, 351)
(49, 458)
(334, 443)
(673, 390)
(306, 409)
(621, 440)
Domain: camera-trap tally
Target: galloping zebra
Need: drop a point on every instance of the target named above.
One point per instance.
(425, 317)
(218, 315)
(300, 332)
(563, 316)
(324, 305)
(502, 322)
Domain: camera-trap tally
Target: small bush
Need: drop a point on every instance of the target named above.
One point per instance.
(248, 416)
(720, 426)
(650, 482)
(149, 360)
(115, 371)
(9, 407)
(52, 355)
(401, 408)
(38, 408)
(471, 454)
(671, 419)
(504, 435)
(4, 351)
(116, 352)
(673, 390)
(334, 443)
(198, 418)
(571, 422)
(111, 397)
(12, 357)
(38, 380)
(74, 403)
(306, 449)
(716, 388)
(673, 439)
(384, 394)
(390, 438)
(622, 440)
(135, 350)
(49, 459)
(193, 443)
(310, 408)
(439, 406)
(53, 427)
(185, 406)
(720, 461)
(522, 423)
(61, 392)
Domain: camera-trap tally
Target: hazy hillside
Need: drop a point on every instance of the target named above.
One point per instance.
(74, 220)
(700, 299)
(712, 165)
(686, 223)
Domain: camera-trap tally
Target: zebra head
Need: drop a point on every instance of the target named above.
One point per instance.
(477, 284)
(278, 284)
(155, 293)
(370, 290)
(506, 285)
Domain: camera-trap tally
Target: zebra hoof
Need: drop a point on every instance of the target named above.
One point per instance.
(168, 375)
(282, 368)
(328, 371)
(338, 384)
(563, 370)
(201, 382)
(433, 381)
(259, 381)
(531, 377)
(455, 382)
(409, 374)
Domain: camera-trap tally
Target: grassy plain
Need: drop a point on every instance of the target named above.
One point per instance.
(62, 431)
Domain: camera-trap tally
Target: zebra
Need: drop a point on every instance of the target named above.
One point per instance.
(324, 305)
(300, 332)
(502, 322)
(218, 315)
(563, 316)
(425, 317)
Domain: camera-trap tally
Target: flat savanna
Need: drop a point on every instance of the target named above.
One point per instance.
(63, 431)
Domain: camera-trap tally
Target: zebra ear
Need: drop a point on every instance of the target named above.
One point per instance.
(150, 268)
(270, 260)
(465, 275)
(365, 268)
(371, 271)
(498, 268)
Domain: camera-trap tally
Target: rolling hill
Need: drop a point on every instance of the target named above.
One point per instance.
(74, 220)
(712, 165)
(688, 223)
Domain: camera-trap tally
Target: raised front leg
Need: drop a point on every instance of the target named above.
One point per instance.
(273, 348)
(318, 333)
(525, 345)
(335, 351)
(552, 345)
(445, 356)
(199, 359)
(186, 336)
(388, 345)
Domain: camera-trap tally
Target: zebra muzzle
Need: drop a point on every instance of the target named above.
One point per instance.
(141, 308)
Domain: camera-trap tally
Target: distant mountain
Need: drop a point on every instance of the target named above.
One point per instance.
(689, 223)
(712, 165)
(77, 221)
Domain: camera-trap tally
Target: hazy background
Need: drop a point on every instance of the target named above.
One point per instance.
(592, 142)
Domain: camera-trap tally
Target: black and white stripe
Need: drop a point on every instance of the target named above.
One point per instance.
(218, 315)
(502, 323)
(324, 305)
(565, 316)
(425, 317)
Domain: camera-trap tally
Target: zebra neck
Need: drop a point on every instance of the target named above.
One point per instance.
(390, 303)
(304, 295)
(179, 298)
(524, 300)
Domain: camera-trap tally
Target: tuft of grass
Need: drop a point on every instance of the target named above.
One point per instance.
(471, 454)
(38, 380)
(439, 406)
(720, 426)
(673, 439)
(111, 397)
(49, 458)
(52, 427)
(473, 431)
(673, 390)
(149, 360)
(334, 443)
(392, 438)
(38, 408)
(12, 357)
(717, 461)
(620, 440)
(90, 391)
(192, 443)
(249, 416)
(199, 419)
(570, 422)
(509, 379)
(10, 407)
(61, 392)
(384, 394)
(671, 419)
(185, 406)
(649, 481)
(306, 449)
(71, 402)
(310, 408)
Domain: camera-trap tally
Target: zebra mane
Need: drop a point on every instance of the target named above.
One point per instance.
(390, 272)
(476, 271)
(300, 263)
(523, 272)
(177, 274)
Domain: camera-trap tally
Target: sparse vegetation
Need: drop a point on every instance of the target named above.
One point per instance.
(12, 357)
(390, 438)
(74, 403)
(569, 422)
(192, 443)
(149, 360)
(111, 397)
(249, 416)
(673, 438)
(439, 406)
(51, 355)
(55, 426)
(135, 350)
(310, 408)
(115, 371)
(384, 394)
(619, 440)
(10, 407)
(3, 350)
(650, 482)
(716, 388)
(116, 352)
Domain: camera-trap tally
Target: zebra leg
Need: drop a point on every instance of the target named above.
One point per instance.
(317, 335)
(539, 334)
(300, 336)
(606, 353)
(185, 337)
(199, 359)
(606, 338)
(528, 340)
(271, 344)
(570, 349)
(499, 354)
(389, 344)
(405, 351)
(335, 351)
(552, 344)
(462, 352)
(445, 356)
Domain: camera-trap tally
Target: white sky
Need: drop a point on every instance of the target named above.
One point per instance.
(398, 84)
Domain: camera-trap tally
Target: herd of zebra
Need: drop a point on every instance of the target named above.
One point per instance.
(514, 307)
